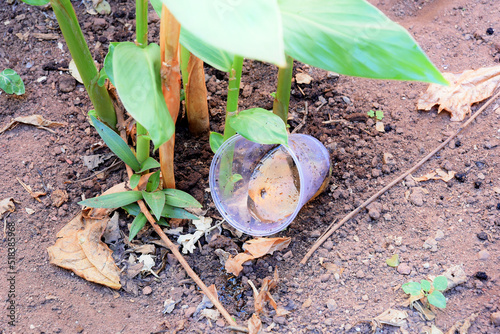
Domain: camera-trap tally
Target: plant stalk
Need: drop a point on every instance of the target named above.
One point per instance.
(233, 93)
(171, 86)
(282, 97)
(196, 98)
(141, 28)
(80, 52)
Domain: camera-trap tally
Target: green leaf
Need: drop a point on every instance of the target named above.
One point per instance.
(216, 140)
(437, 299)
(137, 224)
(426, 285)
(136, 73)
(108, 62)
(116, 144)
(163, 222)
(134, 180)
(149, 163)
(36, 2)
(371, 113)
(251, 29)
(273, 95)
(379, 114)
(440, 283)
(215, 57)
(132, 209)
(393, 261)
(102, 77)
(412, 288)
(157, 4)
(352, 37)
(153, 181)
(11, 82)
(260, 126)
(180, 199)
(156, 201)
(112, 201)
(173, 212)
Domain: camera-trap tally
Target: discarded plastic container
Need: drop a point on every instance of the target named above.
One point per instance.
(259, 189)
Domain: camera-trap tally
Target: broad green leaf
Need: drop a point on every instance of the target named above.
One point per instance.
(153, 181)
(149, 163)
(108, 63)
(137, 224)
(260, 126)
(36, 2)
(132, 209)
(136, 73)
(180, 199)
(412, 288)
(156, 4)
(11, 82)
(116, 144)
(163, 222)
(156, 201)
(251, 29)
(425, 285)
(173, 212)
(134, 180)
(393, 261)
(112, 201)
(216, 140)
(437, 299)
(214, 57)
(352, 37)
(440, 283)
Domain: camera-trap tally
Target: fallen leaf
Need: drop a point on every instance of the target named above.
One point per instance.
(73, 70)
(29, 211)
(254, 324)
(79, 248)
(333, 268)
(112, 231)
(148, 263)
(255, 248)
(203, 226)
(206, 302)
(465, 89)
(35, 120)
(303, 78)
(210, 314)
(47, 37)
(92, 161)
(168, 305)
(59, 197)
(462, 326)
(7, 205)
(439, 174)
(145, 249)
(390, 317)
(263, 295)
(393, 261)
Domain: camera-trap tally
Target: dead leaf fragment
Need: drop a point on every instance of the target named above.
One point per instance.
(465, 89)
(33, 194)
(303, 78)
(263, 295)
(390, 317)
(462, 326)
(46, 37)
(254, 324)
(79, 248)
(255, 248)
(59, 197)
(35, 120)
(7, 205)
(439, 174)
(112, 231)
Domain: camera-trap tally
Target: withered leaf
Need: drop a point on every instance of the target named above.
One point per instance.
(303, 78)
(465, 89)
(254, 324)
(7, 205)
(264, 295)
(35, 120)
(439, 174)
(59, 197)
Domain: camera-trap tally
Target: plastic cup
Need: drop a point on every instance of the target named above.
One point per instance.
(260, 189)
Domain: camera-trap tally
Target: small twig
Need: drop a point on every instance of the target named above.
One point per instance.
(28, 189)
(173, 248)
(114, 164)
(333, 227)
(303, 120)
(237, 329)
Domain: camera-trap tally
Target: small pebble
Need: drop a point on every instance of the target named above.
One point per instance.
(426, 265)
(477, 184)
(324, 278)
(416, 197)
(331, 304)
(482, 236)
(490, 31)
(404, 269)
(483, 255)
(315, 234)
(495, 318)
(439, 235)
(360, 274)
(481, 275)
(147, 290)
(461, 177)
(328, 245)
(481, 176)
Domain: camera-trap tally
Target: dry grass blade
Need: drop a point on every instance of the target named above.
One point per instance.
(35, 120)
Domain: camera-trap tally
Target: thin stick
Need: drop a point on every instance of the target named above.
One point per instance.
(306, 112)
(173, 248)
(333, 227)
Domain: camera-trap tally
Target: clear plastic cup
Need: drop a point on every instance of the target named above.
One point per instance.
(259, 189)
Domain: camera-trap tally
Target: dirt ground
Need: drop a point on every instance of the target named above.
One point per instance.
(431, 225)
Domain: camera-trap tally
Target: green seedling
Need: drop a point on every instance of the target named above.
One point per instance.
(378, 114)
(426, 289)
(11, 82)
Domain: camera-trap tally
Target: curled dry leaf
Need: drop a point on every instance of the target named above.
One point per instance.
(465, 89)
(255, 248)
(59, 197)
(7, 205)
(390, 317)
(35, 120)
(439, 174)
(303, 78)
(254, 324)
(264, 295)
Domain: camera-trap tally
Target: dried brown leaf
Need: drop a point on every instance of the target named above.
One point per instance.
(254, 324)
(465, 89)
(7, 205)
(79, 248)
(196, 97)
(234, 265)
(303, 78)
(35, 120)
(59, 197)
(439, 174)
(262, 246)
(390, 317)
(332, 267)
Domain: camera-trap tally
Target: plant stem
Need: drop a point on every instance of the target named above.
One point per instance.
(141, 22)
(141, 28)
(184, 66)
(80, 52)
(196, 98)
(233, 93)
(282, 97)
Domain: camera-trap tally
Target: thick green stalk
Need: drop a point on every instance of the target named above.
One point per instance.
(141, 29)
(233, 93)
(80, 52)
(282, 97)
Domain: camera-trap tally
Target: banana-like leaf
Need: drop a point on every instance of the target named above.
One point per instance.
(112, 201)
(136, 76)
(352, 37)
(251, 29)
(137, 224)
(156, 201)
(260, 126)
(173, 212)
(180, 199)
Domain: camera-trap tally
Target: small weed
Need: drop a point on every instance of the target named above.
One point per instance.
(431, 291)
(378, 114)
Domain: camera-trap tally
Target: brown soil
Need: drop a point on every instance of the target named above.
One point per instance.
(53, 300)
